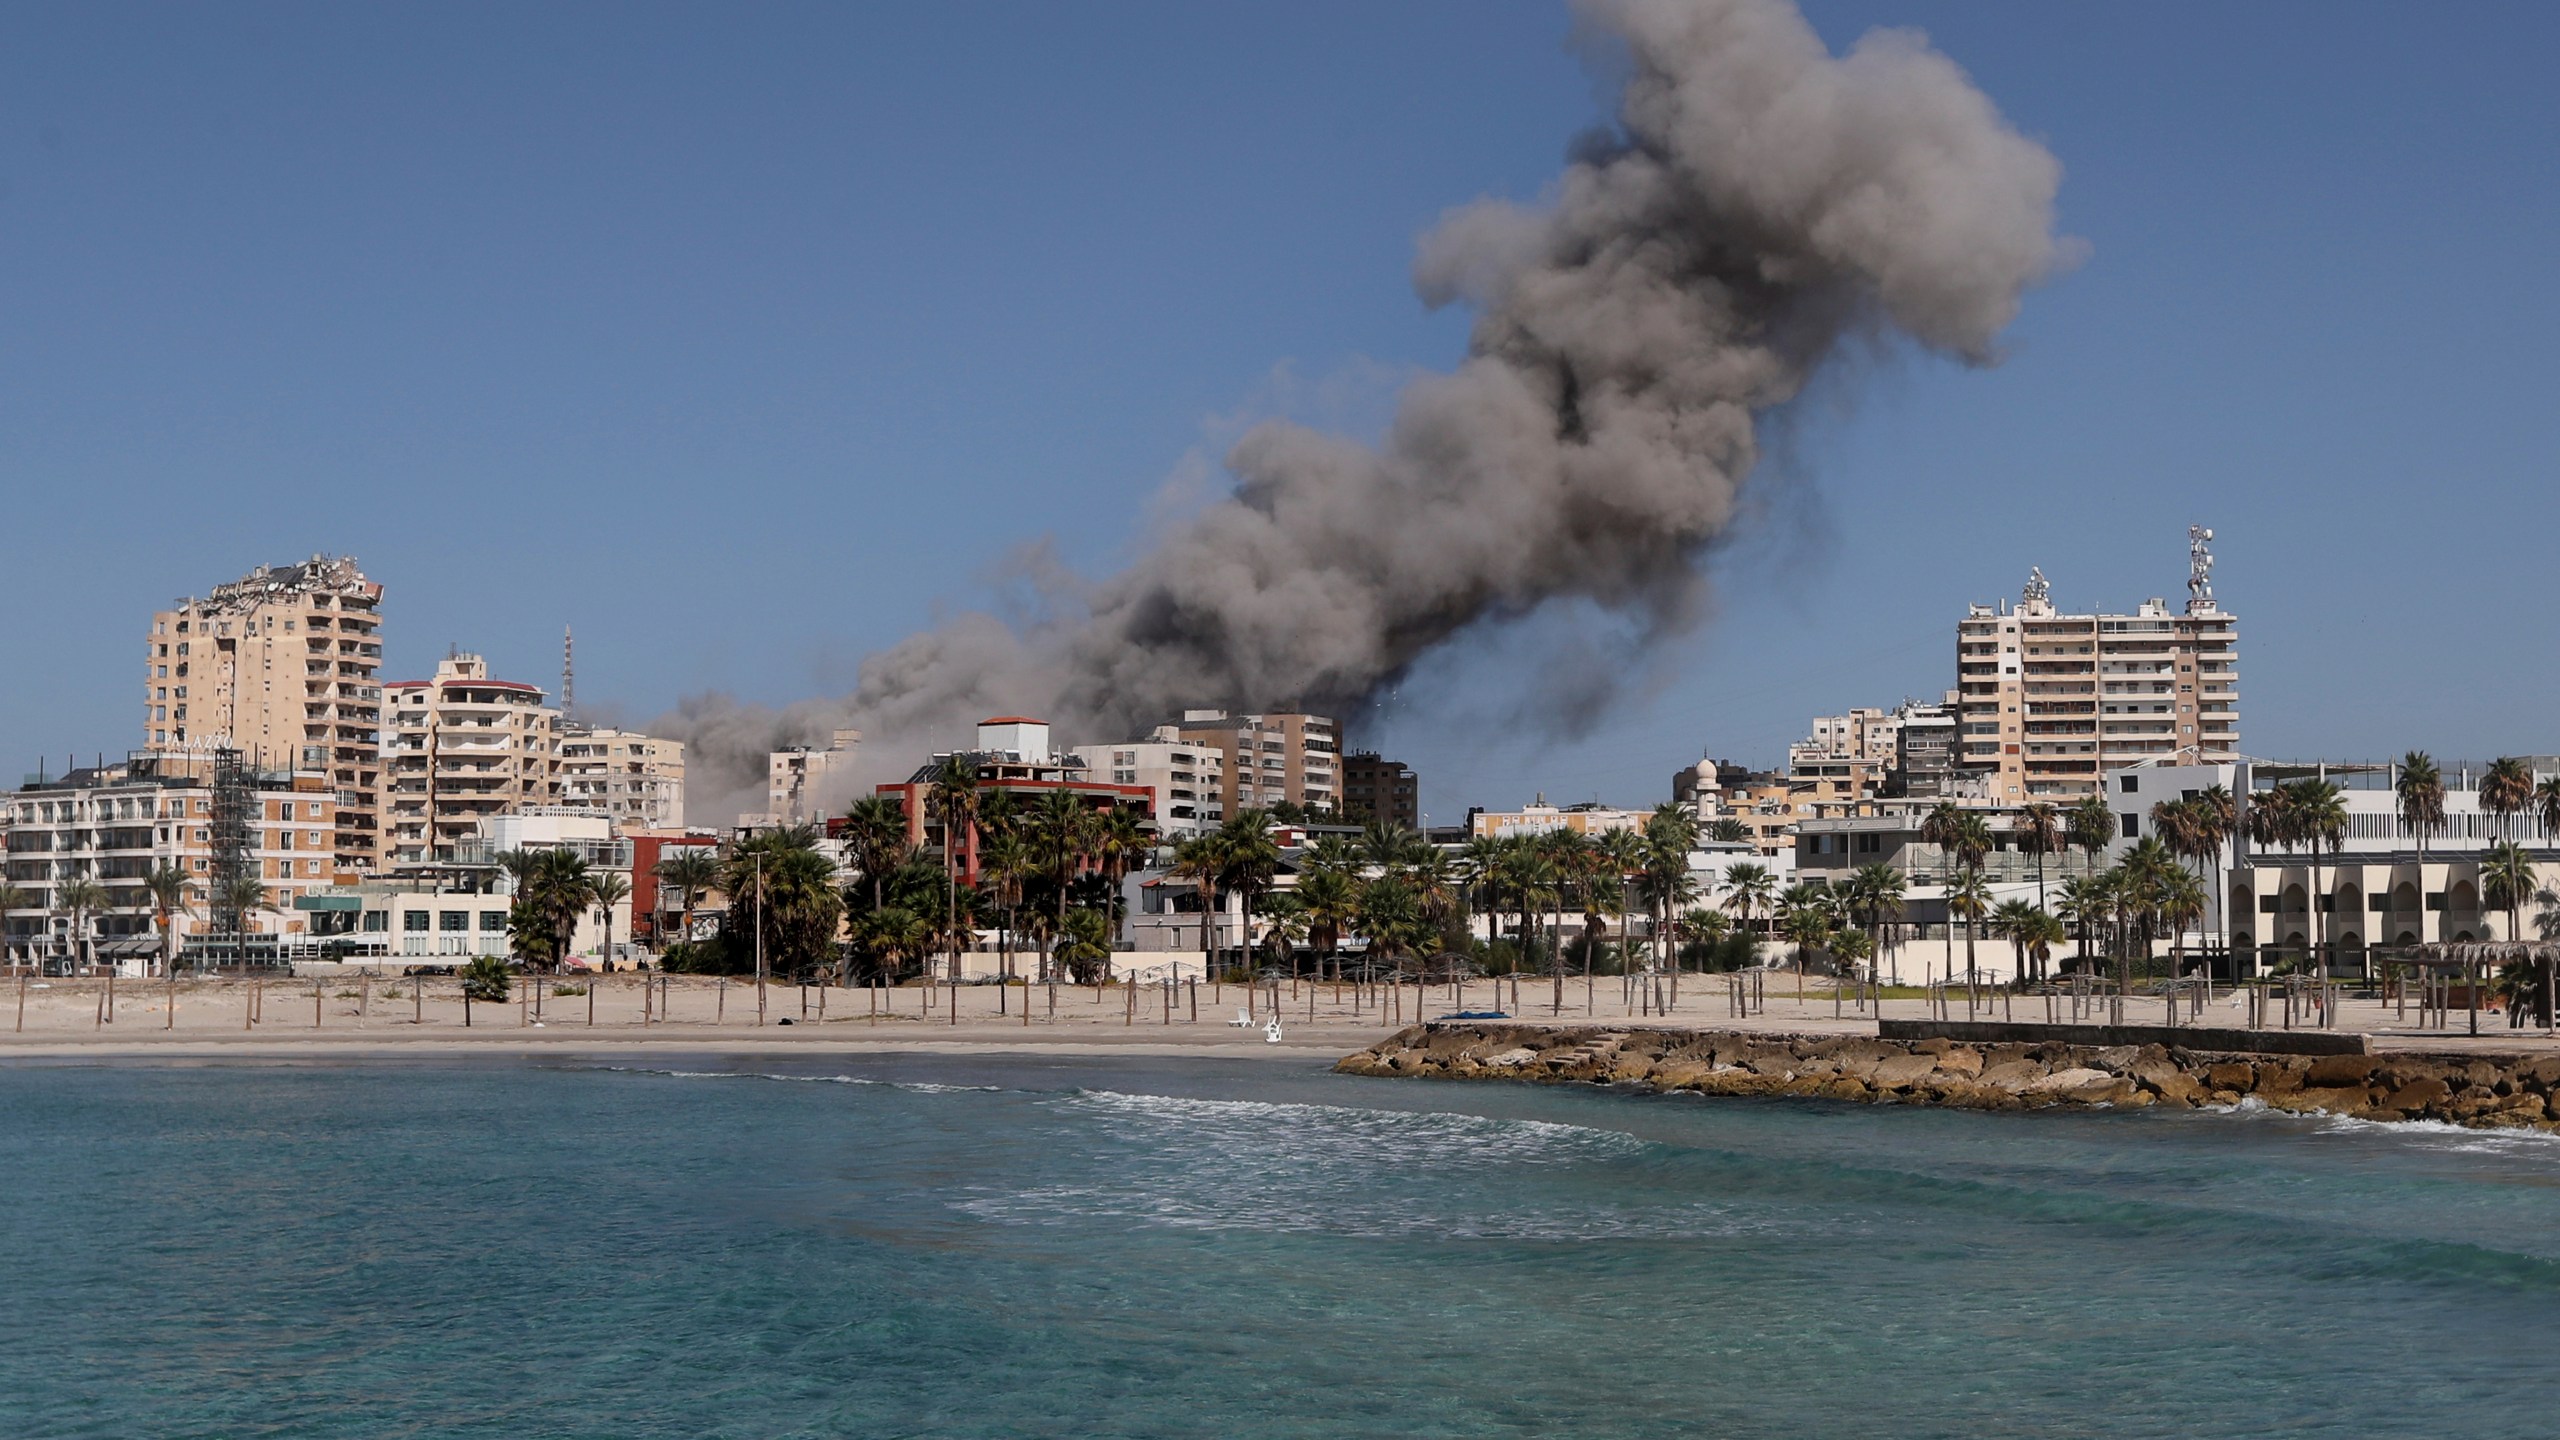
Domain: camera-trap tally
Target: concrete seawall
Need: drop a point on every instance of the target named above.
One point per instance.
(1982, 1074)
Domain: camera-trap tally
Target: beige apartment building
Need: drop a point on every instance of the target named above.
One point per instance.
(2050, 702)
(283, 665)
(636, 779)
(460, 748)
(797, 788)
(1266, 759)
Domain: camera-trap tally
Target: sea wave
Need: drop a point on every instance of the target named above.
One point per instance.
(918, 1087)
(1187, 1163)
(2429, 1134)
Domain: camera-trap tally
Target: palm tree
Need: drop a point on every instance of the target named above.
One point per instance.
(1616, 857)
(2084, 900)
(606, 889)
(875, 841)
(2506, 880)
(1748, 886)
(1248, 860)
(1064, 826)
(1662, 864)
(2181, 902)
(1007, 862)
(1729, 831)
(1331, 900)
(2091, 826)
(2506, 791)
(690, 871)
(1805, 924)
(2039, 830)
(2546, 805)
(168, 886)
(12, 897)
(1389, 917)
(1202, 860)
(84, 898)
(1876, 891)
(1970, 897)
(1848, 947)
(2019, 922)
(2420, 788)
(782, 886)
(1941, 828)
(243, 896)
(2319, 812)
(2217, 819)
(952, 796)
(1121, 842)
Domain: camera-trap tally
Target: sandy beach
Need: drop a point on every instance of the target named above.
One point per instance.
(399, 1015)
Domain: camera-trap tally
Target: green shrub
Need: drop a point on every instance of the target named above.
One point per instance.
(486, 979)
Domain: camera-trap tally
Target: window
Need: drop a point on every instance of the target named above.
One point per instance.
(2132, 827)
(493, 922)
(2129, 783)
(453, 921)
(377, 921)
(413, 921)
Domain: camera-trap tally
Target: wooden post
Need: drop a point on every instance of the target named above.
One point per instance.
(173, 999)
(417, 1000)
(1132, 1017)
(720, 1004)
(22, 1003)
(1195, 1002)
(591, 1002)
(316, 988)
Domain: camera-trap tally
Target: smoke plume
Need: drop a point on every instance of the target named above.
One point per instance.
(1759, 206)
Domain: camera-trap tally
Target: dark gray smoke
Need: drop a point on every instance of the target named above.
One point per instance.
(1759, 203)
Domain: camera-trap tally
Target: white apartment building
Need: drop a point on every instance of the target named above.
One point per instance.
(462, 748)
(1864, 733)
(637, 779)
(448, 912)
(117, 824)
(1188, 780)
(284, 666)
(2048, 702)
(2376, 890)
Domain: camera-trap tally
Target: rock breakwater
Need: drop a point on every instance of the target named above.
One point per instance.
(2477, 1090)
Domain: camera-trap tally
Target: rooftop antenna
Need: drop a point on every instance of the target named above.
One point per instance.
(2199, 570)
(568, 673)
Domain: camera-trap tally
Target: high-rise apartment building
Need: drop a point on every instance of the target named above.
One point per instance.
(2049, 702)
(462, 747)
(284, 665)
(637, 779)
(1374, 788)
(1270, 758)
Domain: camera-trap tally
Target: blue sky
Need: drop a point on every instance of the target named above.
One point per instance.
(749, 339)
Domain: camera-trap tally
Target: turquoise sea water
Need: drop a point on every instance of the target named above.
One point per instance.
(1001, 1247)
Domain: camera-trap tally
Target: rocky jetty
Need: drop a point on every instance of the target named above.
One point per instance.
(2476, 1090)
